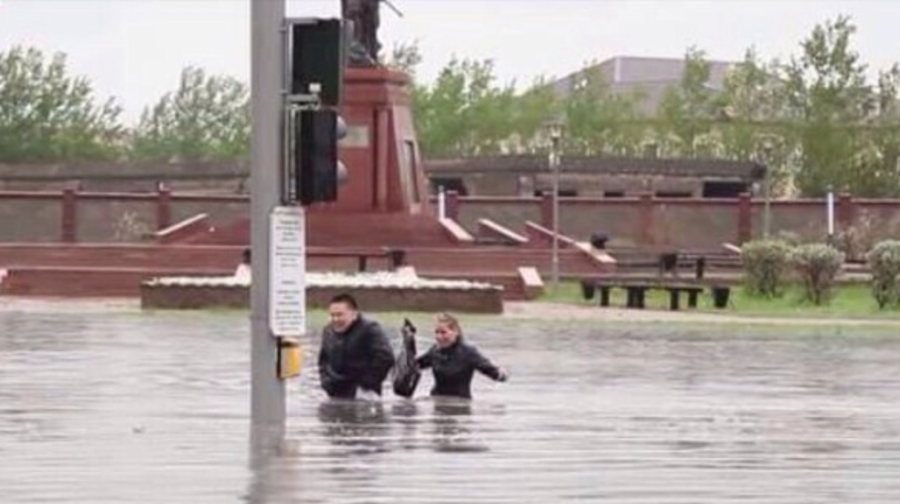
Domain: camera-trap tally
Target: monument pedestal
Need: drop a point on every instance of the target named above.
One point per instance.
(380, 151)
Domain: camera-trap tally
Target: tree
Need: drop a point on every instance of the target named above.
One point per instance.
(827, 91)
(876, 165)
(597, 120)
(206, 118)
(688, 109)
(531, 112)
(463, 112)
(47, 115)
(756, 124)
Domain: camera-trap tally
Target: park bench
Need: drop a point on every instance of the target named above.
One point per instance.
(396, 257)
(636, 291)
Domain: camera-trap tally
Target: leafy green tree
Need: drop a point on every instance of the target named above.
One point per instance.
(875, 170)
(463, 112)
(206, 118)
(688, 109)
(755, 124)
(531, 112)
(597, 120)
(48, 115)
(828, 93)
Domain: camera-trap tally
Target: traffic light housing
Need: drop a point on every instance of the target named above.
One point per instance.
(320, 170)
(318, 58)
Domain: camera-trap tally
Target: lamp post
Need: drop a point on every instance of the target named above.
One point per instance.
(767, 189)
(555, 130)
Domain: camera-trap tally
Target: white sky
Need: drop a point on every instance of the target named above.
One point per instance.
(135, 49)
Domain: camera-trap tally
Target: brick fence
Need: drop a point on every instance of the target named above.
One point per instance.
(71, 216)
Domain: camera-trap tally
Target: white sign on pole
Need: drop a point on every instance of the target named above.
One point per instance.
(287, 271)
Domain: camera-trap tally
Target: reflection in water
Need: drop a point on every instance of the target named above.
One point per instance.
(451, 421)
(105, 407)
(359, 427)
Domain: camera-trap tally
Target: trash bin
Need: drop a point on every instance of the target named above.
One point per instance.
(701, 268)
(720, 296)
(598, 240)
(668, 261)
(587, 289)
(397, 258)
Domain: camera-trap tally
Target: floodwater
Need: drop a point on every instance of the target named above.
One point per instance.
(102, 405)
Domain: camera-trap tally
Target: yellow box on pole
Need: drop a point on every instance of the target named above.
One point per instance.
(290, 358)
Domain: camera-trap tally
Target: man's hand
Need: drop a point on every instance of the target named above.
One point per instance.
(367, 395)
(503, 375)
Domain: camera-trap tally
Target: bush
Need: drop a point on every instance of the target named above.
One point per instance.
(765, 266)
(884, 261)
(818, 265)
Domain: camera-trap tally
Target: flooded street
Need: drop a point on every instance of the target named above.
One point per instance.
(110, 405)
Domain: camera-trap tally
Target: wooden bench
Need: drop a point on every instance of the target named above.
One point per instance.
(636, 291)
(396, 257)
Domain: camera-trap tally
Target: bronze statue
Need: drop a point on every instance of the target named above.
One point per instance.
(364, 14)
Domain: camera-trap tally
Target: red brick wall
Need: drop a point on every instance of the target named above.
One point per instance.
(30, 220)
(694, 223)
(105, 220)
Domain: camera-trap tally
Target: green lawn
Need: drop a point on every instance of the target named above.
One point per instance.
(849, 300)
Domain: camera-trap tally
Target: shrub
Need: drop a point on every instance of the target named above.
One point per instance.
(765, 265)
(884, 261)
(818, 265)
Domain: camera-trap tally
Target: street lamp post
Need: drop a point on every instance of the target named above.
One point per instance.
(555, 137)
(767, 190)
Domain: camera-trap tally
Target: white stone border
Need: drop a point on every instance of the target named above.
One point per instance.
(405, 280)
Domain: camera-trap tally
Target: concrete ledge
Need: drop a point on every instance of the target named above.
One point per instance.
(541, 236)
(730, 247)
(491, 229)
(532, 284)
(456, 232)
(371, 299)
(83, 282)
(602, 257)
(187, 228)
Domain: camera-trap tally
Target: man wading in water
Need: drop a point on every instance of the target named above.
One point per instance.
(355, 356)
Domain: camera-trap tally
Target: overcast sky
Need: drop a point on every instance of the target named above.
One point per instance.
(135, 49)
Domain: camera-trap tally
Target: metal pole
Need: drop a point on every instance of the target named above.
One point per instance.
(829, 201)
(554, 162)
(767, 192)
(267, 400)
(767, 215)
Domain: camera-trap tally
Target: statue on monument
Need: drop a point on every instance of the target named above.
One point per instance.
(364, 45)
(366, 18)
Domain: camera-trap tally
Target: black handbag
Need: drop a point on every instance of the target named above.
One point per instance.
(405, 373)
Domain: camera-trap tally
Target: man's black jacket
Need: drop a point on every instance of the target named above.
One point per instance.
(360, 357)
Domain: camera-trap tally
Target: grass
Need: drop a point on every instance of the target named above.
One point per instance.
(848, 301)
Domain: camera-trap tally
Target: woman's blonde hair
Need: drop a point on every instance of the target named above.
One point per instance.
(448, 320)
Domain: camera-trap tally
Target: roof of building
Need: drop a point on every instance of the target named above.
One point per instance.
(648, 75)
(531, 163)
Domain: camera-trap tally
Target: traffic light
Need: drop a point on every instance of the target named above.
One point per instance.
(318, 58)
(316, 155)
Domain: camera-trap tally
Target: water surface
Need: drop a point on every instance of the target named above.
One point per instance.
(104, 405)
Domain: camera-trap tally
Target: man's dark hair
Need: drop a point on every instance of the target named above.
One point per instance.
(245, 256)
(346, 299)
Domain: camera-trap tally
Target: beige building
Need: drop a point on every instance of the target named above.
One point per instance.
(651, 77)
